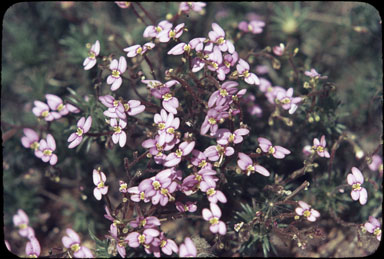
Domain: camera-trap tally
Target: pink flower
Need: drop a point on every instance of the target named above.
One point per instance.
(214, 195)
(90, 61)
(148, 222)
(223, 95)
(120, 244)
(287, 101)
(167, 245)
(118, 136)
(32, 249)
(30, 139)
(373, 226)
(56, 104)
(155, 148)
(243, 71)
(168, 34)
(21, 221)
(180, 49)
(188, 206)
(192, 182)
(42, 110)
(199, 159)
(246, 164)
(153, 31)
(137, 195)
(319, 147)
(186, 7)
(98, 179)
(229, 61)
(118, 68)
(133, 107)
(135, 50)
(212, 119)
(306, 211)
(83, 126)
(225, 137)
(123, 5)
(376, 164)
(157, 186)
(279, 50)
(174, 158)
(212, 216)
(217, 36)
(72, 241)
(277, 151)
(46, 148)
(217, 152)
(254, 26)
(313, 74)
(167, 125)
(135, 239)
(187, 249)
(162, 91)
(356, 179)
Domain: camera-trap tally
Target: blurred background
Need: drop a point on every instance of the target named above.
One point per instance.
(44, 45)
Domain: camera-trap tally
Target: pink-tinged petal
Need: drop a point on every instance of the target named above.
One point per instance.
(374, 222)
(132, 239)
(214, 228)
(278, 154)
(172, 160)
(23, 216)
(369, 227)
(97, 193)
(67, 242)
(80, 123)
(207, 214)
(326, 154)
(53, 159)
(304, 205)
(363, 196)
(115, 138)
(299, 211)
(75, 142)
(114, 65)
(311, 218)
(216, 28)
(96, 47)
(96, 177)
(264, 147)
(190, 246)
(122, 139)
(231, 47)
(245, 158)
(51, 142)
(222, 228)
(73, 235)
(167, 105)
(322, 141)
(53, 101)
(151, 232)
(26, 142)
(122, 65)
(31, 134)
(316, 142)
(229, 151)
(355, 195)
(221, 197)
(261, 170)
(351, 179)
(283, 150)
(87, 124)
(188, 149)
(110, 79)
(358, 175)
(148, 143)
(178, 49)
(215, 209)
(116, 84)
(89, 63)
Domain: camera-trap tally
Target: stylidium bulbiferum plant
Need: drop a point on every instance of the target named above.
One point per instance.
(192, 129)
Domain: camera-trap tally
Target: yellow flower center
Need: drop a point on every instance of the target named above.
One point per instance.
(271, 150)
(164, 191)
(245, 73)
(163, 243)
(158, 29)
(142, 196)
(34, 145)
(215, 65)
(286, 100)
(214, 221)
(203, 163)
(115, 103)
(167, 96)
(45, 113)
(117, 129)
(47, 152)
(139, 50)
(172, 34)
(60, 107)
(100, 185)
(143, 222)
(250, 28)
(141, 239)
(75, 247)
(91, 55)
(211, 191)
(123, 186)
(115, 73)
(179, 153)
(198, 177)
(171, 130)
(356, 187)
(79, 132)
(377, 232)
(223, 92)
(250, 168)
(187, 48)
(126, 107)
(161, 126)
(156, 185)
(23, 226)
(158, 147)
(212, 121)
(220, 41)
(227, 64)
(320, 149)
(231, 138)
(307, 213)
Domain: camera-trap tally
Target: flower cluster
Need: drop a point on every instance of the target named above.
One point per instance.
(54, 109)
